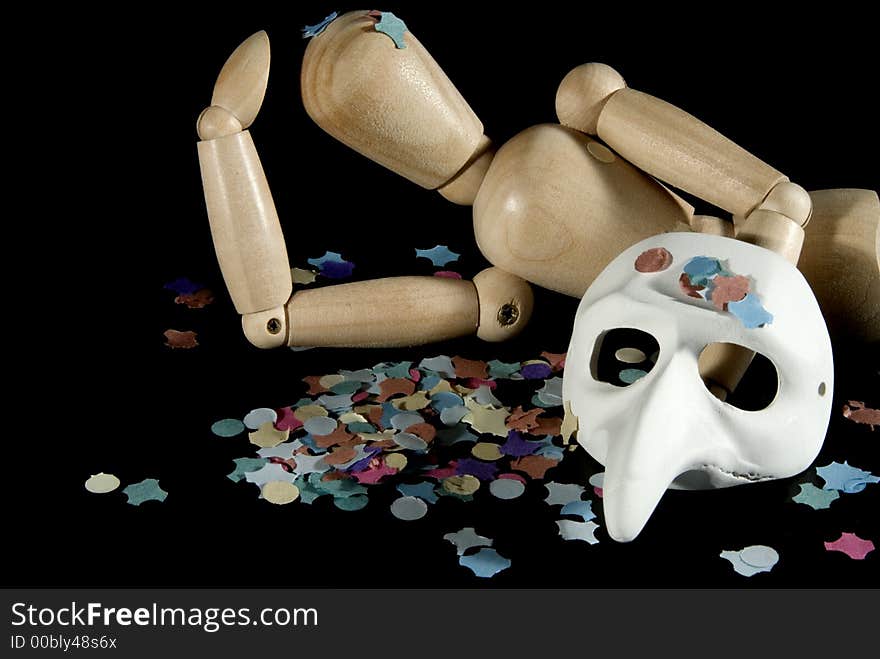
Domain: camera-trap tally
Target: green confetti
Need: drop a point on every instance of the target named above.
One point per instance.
(147, 490)
(227, 428)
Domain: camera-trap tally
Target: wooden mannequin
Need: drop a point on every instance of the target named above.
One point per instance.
(552, 206)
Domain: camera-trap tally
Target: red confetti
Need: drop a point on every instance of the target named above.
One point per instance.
(653, 260)
(470, 368)
(197, 300)
(394, 386)
(689, 289)
(176, 339)
(533, 465)
(856, 411)
(286, 420)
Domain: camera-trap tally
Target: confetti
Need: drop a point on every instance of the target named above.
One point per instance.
(423, 490)
(464, 484)
(560, 494)
(320, 425)
(184, 340)
(814, 497)
(409, 508)
(468, 368)
(198, 300)
(486, 451)
(502, 370)
(353, 503)
(280, 492)
(227, 427)
(534, 465)
(846, 478)
(486, 419)
(485, 471)
(332, 265)
(314, 30)
(536, 370)
(485, 563)
(856, 411)
(101, 483)
(585, 531)
(439, 255)
(394, 386)
(441, 364)
(390, 25)
(750, 312)
(267, 435)
(752, 560)
(244, 466)
(256, 418)
(556, 360)
(147, 490)
(516, 446)
(183, 286)
(705, 278)
(447, 274)
(269, 472)
(851, 545)
(728, 289)
(467, 538)
(506, 488)
(410, 441)
(582, 509)
(302, 277)
(653, 260)
(630, 375)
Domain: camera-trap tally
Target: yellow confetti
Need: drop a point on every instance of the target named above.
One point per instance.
(443, 385)
(463, 390)
(102, 483)
(280, 492)
(376, 436)
(268, 436)
(330, 381)
(465, 484)
(486, 451)
(306, 412)
(301, 276)
(352, 417)
(486, 419)
(396, 461)
(569, 426)
(417, 401)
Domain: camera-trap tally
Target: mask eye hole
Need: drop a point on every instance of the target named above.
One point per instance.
(759, 383)
(623, 355)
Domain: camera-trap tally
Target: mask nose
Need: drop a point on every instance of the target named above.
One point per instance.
(666, 436)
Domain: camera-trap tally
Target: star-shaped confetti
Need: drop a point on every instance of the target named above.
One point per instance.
(467, 538)
(559, 494)
(844, 477)
(333, 266)
(390, 25)
(439, 255)
(147, 490)
(244, 466)
(750, 312)
(814, 497)
(851, 545)
(269, 472)
(486, 419)
(856, 411)
(582, 509)
(485, 563)
(585, 531)
(316, 29)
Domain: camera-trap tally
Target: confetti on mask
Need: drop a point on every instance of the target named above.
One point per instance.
(560, 494)
(467, 538)
(176, 339)
(227, 427)
(851, 545)
(390, 25)
(102, 483)
(147, 490)
(856, 411)
(183, 286)
(333, 266)
(814, 497)
(439, 255)
(485, 563)
(198, 300)
(585, 531)
(656, 259)
(316, 29)
(752, 560)
(409, 508)
(582, 509)
(706, 278)
(506, 488)
(256, 418)
(630, 375)
(845, 478)
(280, 492)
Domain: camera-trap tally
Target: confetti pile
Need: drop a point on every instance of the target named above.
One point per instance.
(705, 278)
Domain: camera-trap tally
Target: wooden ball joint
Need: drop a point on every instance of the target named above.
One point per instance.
(552, 206)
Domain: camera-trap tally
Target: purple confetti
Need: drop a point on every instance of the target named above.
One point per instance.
(334, 270)
(364, 463)
(517, 447)
(485, 471)
(183, 286)
(536, 371)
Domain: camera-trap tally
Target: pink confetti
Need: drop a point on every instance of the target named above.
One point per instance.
(286, 420)
(415, 375)
(443, 472)
(729, 289)
(359, 396)
(653, 260)
(513, 477)
(476, 383)
(851, 545)
(374, 475)
(598, 491)
(448, 274)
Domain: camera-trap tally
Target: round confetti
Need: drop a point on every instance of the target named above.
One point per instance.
(102, 483)
(409, 508)
(227, 428)
(630, 356)
(320, 425)
(464, 485)
(396, 461)
(256, 418)
(486, 451)
(355, 502)
(279, 492)
(630, 375)
(653, 260)
(410, 441)
(506, 488)
(759, 556)
(306, 412)
(598, 480)
(352, 417)
(330, 381)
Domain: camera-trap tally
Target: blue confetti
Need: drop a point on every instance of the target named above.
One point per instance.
(583, 509)
(445, 399)
(423, 490)
(316, 29)
(485, 563)
(183, 286)
(391, 26)
(701, 268)
(245, 466)
(227, 427)
(333, 266)
(439, 255)
(815, 497)
(750, 312)
(630, 375)
(845, 477)
(147, 490)
(501, 370)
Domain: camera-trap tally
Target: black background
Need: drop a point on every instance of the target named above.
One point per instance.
(120, 212)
